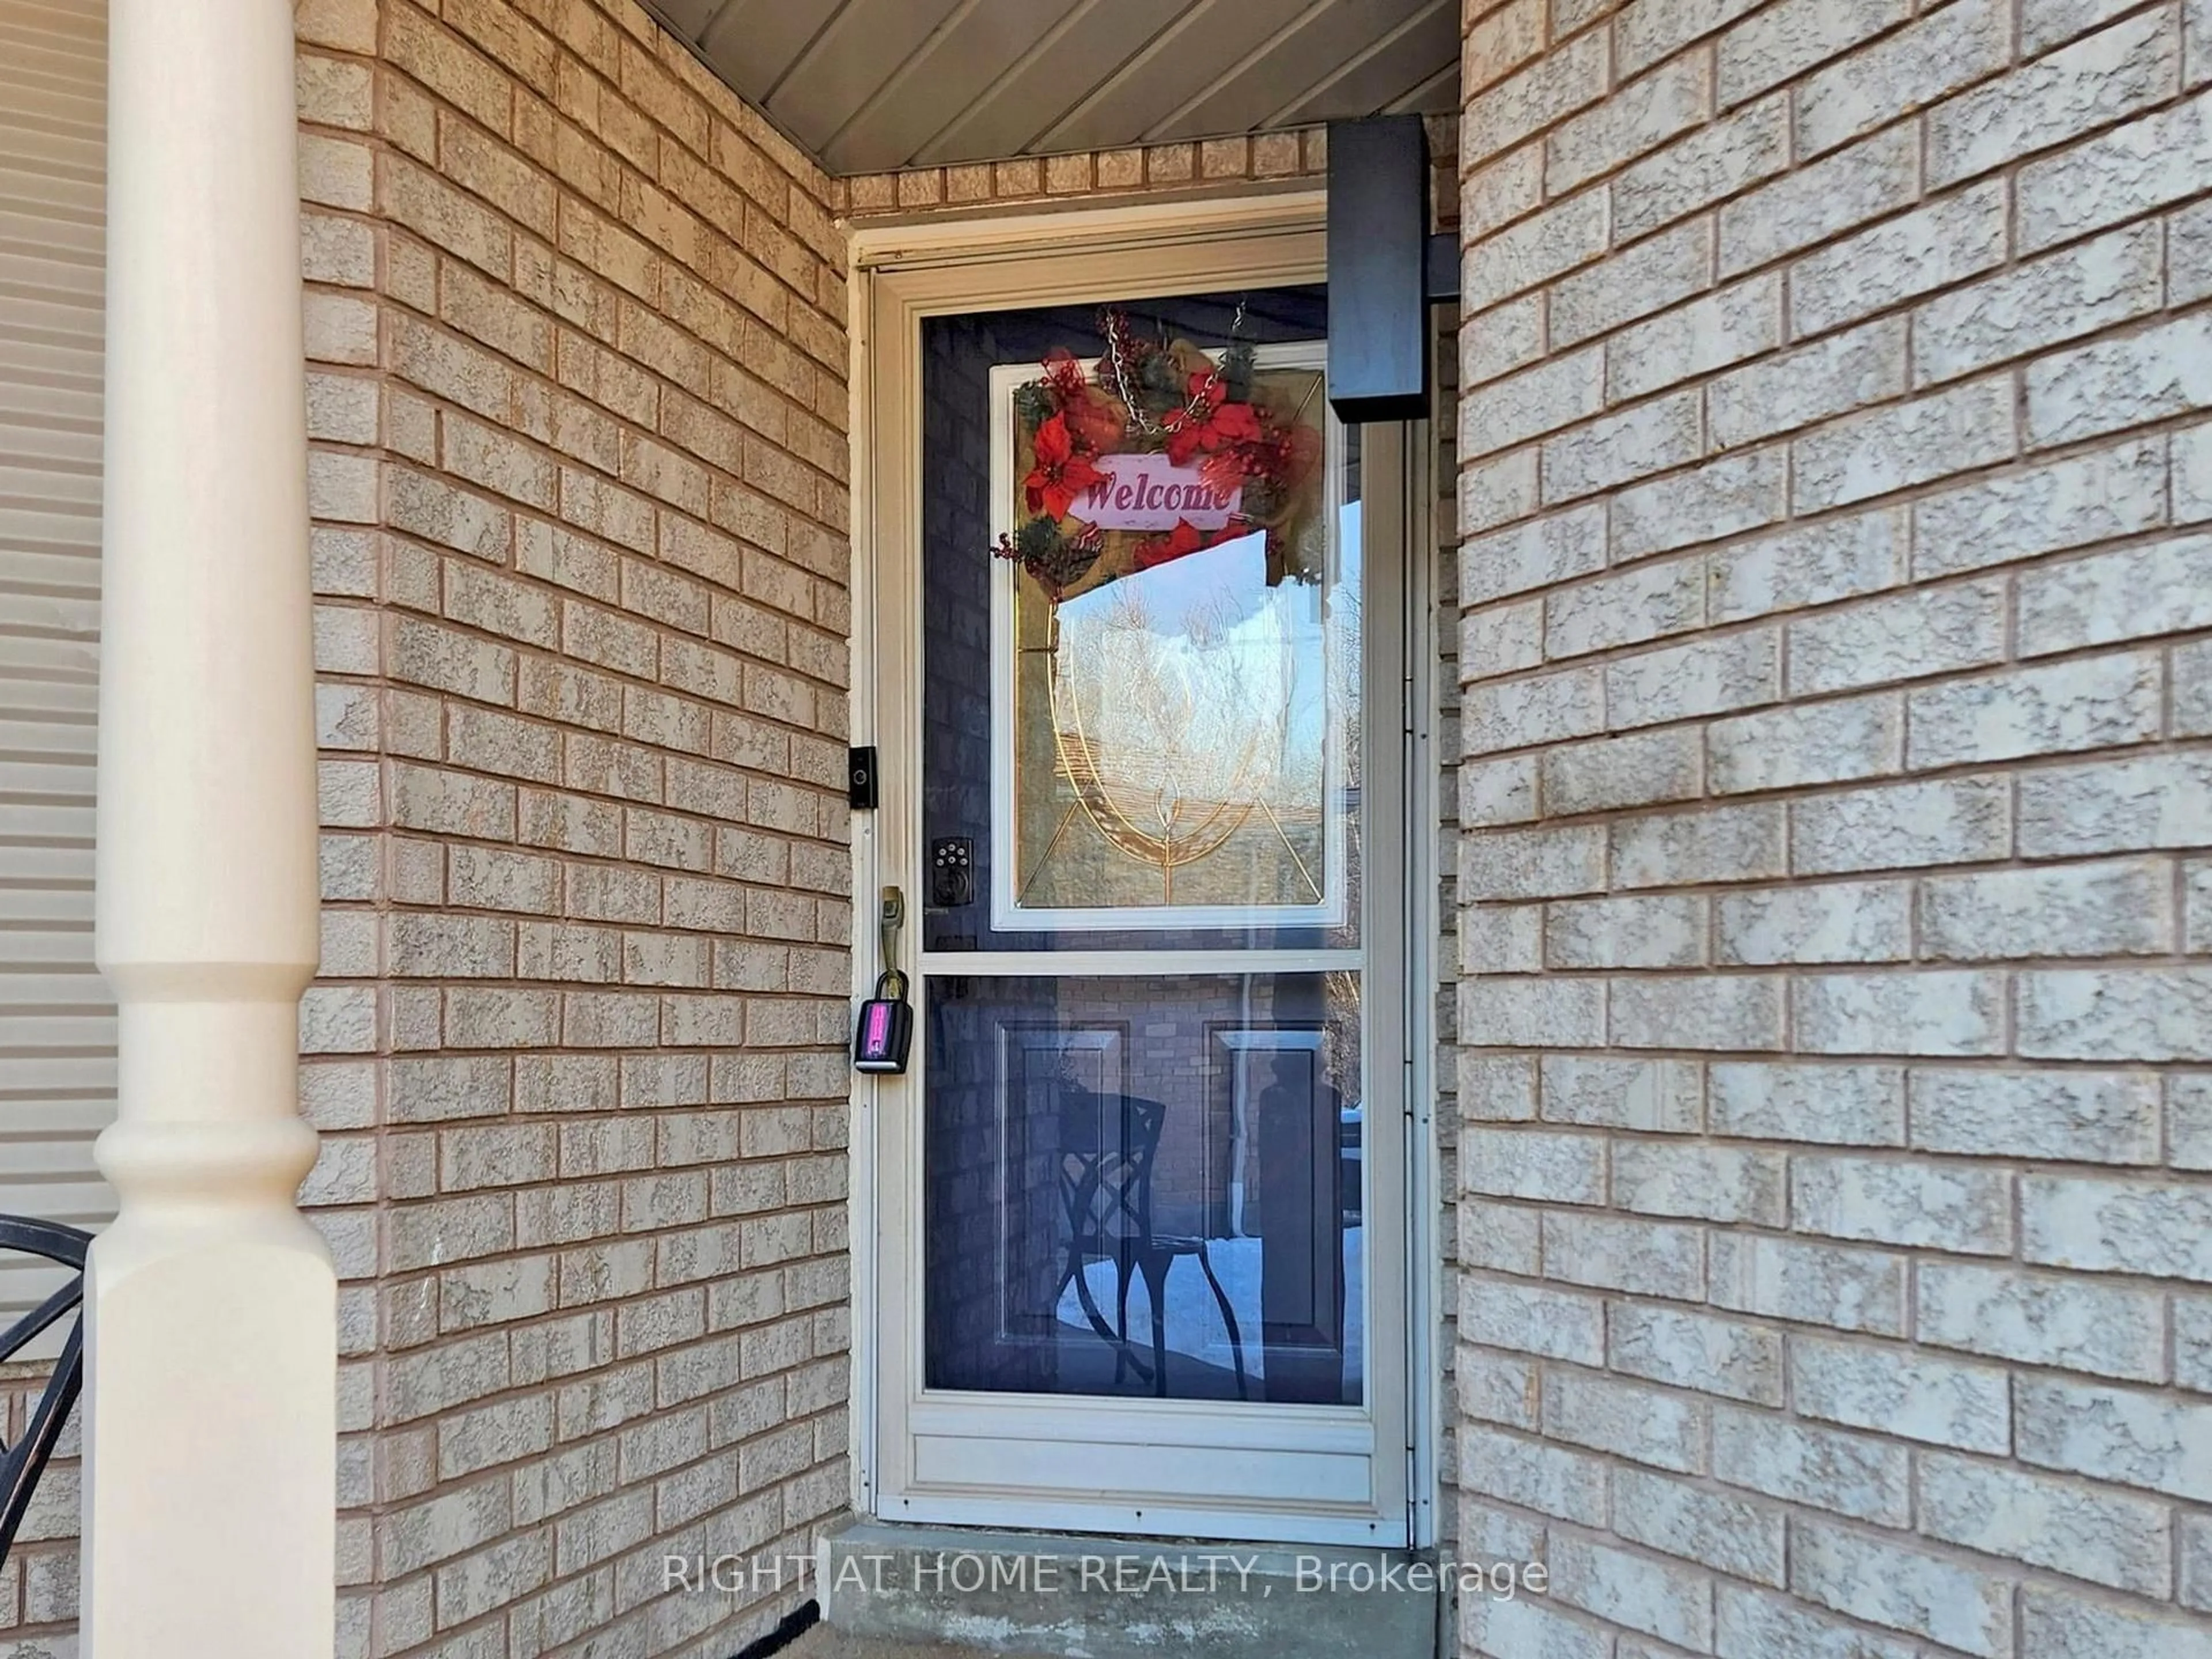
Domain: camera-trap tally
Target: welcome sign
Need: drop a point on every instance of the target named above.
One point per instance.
(1145, 492)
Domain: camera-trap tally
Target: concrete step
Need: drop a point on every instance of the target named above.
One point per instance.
(827, 1642)
(1065, 1597)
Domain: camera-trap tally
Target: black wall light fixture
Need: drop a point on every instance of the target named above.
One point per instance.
(1384, 269)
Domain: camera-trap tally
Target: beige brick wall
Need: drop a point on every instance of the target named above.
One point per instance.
(1834, 483)
(38, 1582)
(579, 474)
(1216, 166)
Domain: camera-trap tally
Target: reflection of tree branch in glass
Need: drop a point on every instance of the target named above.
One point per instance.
(1185, 691)
(1187, 703)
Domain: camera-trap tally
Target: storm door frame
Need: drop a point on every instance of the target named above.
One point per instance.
(900, 274)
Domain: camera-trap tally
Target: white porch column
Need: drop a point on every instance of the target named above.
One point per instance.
(210, 1413)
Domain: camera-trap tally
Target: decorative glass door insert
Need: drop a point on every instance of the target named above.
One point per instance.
(1168, 752)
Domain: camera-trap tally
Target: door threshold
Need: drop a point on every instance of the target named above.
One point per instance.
(1096, 1597)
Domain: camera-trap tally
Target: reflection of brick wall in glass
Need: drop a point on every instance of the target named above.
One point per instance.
(1253, 1153)
(970, 1156)
(989, 1202)
(955, 707)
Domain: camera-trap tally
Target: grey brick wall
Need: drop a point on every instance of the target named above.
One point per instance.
(1835, 499)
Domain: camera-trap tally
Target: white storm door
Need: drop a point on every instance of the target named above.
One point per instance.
(1140, 1201)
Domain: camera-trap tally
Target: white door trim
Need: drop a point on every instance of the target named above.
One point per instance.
(898, 274)
(937, 242)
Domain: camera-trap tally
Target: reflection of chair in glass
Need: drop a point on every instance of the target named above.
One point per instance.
(1106, 1188)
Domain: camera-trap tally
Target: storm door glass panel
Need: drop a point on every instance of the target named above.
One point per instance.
(1141, 629)
(1142, 591)
(1146, 1186)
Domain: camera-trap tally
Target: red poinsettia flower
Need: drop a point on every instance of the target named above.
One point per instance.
(1208, 421)
(1062, 472)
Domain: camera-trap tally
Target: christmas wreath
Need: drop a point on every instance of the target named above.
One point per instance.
(1159, 451)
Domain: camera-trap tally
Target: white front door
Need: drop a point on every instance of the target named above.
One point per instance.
(1140, 1200)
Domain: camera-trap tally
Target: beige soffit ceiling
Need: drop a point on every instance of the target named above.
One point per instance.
(870, 86)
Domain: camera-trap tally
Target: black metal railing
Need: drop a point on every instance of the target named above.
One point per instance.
(23, 1462)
